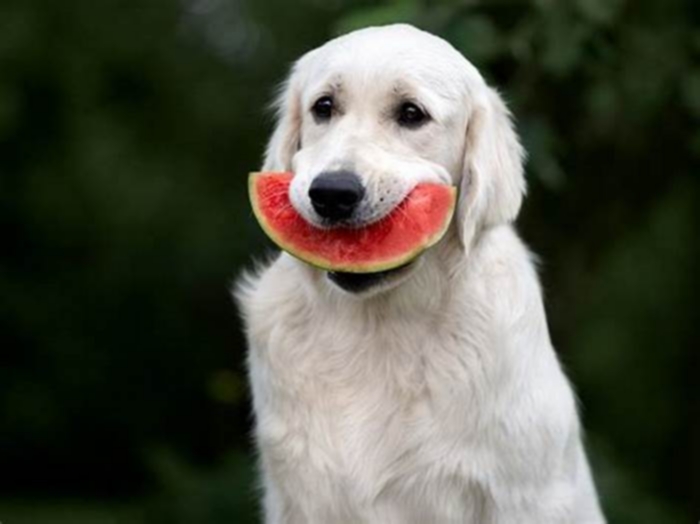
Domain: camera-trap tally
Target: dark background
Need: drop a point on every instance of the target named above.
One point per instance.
(127, 129)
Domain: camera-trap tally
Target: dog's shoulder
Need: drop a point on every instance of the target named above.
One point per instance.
(506, 273)
(503, 275)
(267, 292)
(502, 253)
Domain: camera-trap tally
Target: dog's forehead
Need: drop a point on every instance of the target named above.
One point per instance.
(394, 57)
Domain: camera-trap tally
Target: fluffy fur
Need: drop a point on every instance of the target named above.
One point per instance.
(437, 397)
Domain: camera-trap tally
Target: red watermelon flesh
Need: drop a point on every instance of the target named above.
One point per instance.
(417, 223)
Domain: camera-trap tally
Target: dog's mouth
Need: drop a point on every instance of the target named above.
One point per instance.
(359, 282)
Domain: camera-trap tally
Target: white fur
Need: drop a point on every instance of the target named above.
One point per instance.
(439, 398)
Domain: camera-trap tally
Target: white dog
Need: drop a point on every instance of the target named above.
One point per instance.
(429, 394)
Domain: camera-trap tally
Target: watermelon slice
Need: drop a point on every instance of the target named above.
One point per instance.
(412, 227)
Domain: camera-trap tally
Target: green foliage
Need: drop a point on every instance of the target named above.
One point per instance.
(220, 496)
(126, 132)
(399, 11)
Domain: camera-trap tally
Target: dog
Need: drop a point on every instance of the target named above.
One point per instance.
(430, 393)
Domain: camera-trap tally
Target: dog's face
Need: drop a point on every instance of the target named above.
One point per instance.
(368, 116)
(383, 117)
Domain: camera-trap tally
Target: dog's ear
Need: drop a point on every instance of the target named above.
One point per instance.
(285, 139)
(493, 183)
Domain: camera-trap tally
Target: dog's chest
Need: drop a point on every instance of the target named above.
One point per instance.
(351, 418)
(353, 396)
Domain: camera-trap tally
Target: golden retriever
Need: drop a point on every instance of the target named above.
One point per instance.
(427, 394)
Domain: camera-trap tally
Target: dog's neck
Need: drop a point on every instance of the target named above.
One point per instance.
(432, 283)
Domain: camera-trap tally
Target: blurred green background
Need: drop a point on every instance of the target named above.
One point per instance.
(126, 132)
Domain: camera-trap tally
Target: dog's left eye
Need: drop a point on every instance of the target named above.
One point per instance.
(323, 108)
(410, 115)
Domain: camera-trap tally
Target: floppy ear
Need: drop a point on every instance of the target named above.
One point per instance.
(493, 183)
(285, 140)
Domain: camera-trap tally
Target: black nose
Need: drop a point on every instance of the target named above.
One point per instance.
(335, 195)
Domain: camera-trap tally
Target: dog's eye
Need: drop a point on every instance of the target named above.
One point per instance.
(410, 115)
(323, 108)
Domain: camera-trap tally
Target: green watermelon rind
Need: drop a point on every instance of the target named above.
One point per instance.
(328, 265)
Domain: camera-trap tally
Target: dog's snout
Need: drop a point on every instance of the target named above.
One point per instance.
(335, 195)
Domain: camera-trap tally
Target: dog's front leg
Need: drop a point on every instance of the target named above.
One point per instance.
(278, 508)
(553, 506)
(552, 486)
(561, 501)
(543, 516)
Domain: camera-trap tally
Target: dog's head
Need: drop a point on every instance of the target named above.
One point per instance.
(367, 116)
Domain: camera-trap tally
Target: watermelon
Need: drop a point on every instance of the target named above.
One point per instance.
(417, 223)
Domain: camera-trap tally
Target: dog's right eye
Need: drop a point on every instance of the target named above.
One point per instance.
(323, 108)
